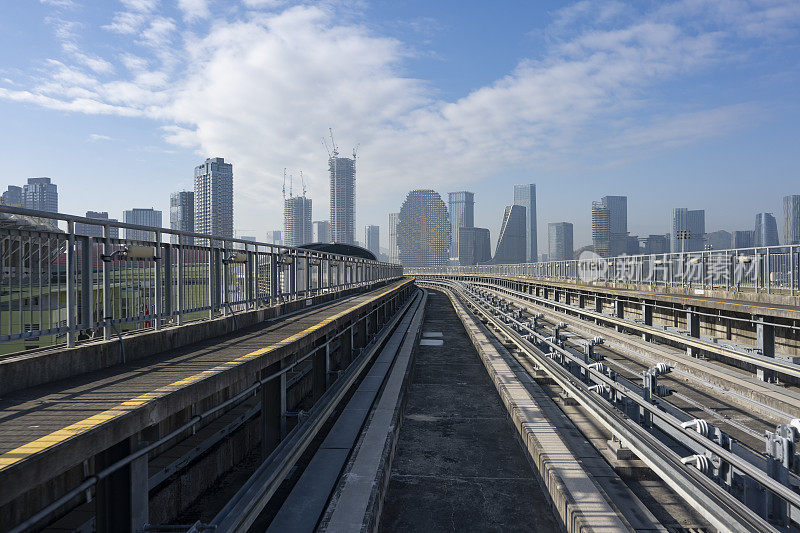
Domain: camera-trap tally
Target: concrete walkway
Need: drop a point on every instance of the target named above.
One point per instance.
(459, 465)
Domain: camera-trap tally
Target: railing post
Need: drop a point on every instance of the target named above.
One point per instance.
(71, 304)
(211, 297)
(248, 281)
(273, 276)
(168, 282)
(158, 304)
(108, 312)
(179, 287)
(87, 283)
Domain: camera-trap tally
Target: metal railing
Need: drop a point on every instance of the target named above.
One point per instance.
(60, 287)
(761, 269)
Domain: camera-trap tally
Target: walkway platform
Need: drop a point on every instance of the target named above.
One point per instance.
(50, 428)
(459, 465)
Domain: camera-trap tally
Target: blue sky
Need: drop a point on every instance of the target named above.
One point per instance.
(691, 103)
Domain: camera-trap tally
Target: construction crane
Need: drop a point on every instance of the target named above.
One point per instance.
(283, 189)
(333, 143)
(355, 150)
(303, 183)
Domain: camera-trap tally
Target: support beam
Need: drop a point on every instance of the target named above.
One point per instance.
(273, 406)
(765, 338)
(647, 318)
(693, 327)
(121, 502)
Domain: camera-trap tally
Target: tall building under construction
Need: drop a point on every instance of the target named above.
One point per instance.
(343, 197)
(297, 228)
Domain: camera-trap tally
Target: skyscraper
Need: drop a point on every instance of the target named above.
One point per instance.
(474, 246)
(742, 239)
(13, 196)
(394, 252)
(766, 232)
(423, 230)
(297, 229)
(141, 217)
(372, 239)
(601, 229)
(181, 214)
(791, 219)
(277, 237)
(343, 198)
(40, 194)
(462, 215)
(511, 242)
(525, 195)
(96, 231)
(656, 244)
(615, 238)
(322, 231)
(559, 240)
(213, 198)
(690, 226)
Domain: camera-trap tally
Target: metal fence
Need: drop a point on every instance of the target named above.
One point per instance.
(60, 287)
(762, 269)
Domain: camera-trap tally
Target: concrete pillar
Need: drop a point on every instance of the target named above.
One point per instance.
(319, 372)
(765, 338)
(121, 503)
(567, 297)
(555, 295)
(581, 301)
(273, 407)
(647, 318)
(693, 326)
(619, 311)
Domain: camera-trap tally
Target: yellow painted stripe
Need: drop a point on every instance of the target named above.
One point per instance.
(18, 454)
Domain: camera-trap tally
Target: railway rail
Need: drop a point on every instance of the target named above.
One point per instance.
(735, 487)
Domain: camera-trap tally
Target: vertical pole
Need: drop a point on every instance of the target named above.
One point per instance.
(168, 283)
(158, 304)
(211, 279)
(619, 311)
(179, 286)
(107, 310)
(273, 277)
(122, 497)
(71, 304)
(248, 280)
(87, 283)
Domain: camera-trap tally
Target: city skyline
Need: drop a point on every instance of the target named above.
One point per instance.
(663, 132)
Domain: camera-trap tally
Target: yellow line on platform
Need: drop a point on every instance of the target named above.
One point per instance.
(18, 454)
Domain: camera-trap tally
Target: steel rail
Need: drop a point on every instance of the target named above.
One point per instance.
(243, 508)
(787, 369)
(725, 510)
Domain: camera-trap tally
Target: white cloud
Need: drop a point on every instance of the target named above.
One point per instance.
(261, 91)
(94, 137)
(194, 9)
(59, 3)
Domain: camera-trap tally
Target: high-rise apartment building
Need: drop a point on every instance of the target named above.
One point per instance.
(791, 219)
(213, 198)
(423, 230)
(601, 229)
(743, 239)
(141, 217)
(525, 195)
(181, 214)
(13, 196)
(688, 229)
(394, 252)
(461, 205)
(95, 230)
(612, 229)
(766, 231)
(322, 231)
(559, 241)
(40, 194)
(372, 239)
(343, 198)
(297, 228)
(474, 246)
(511, 243)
